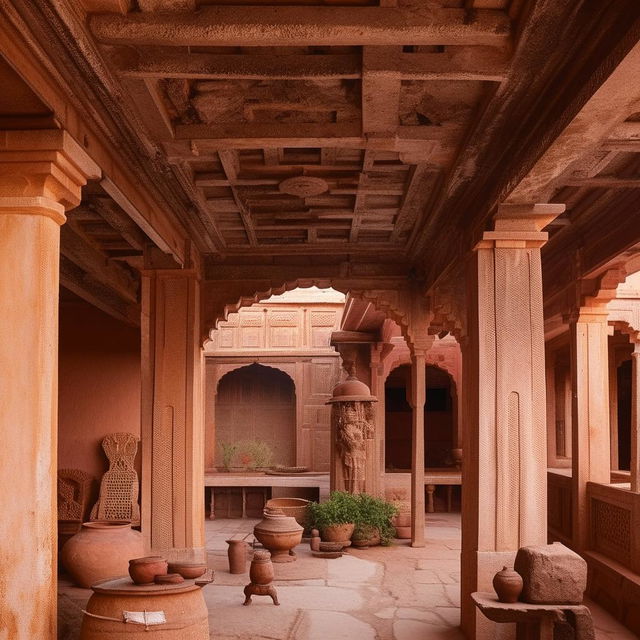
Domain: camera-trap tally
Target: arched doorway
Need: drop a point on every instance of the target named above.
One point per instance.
(440, 418)
(257, 404)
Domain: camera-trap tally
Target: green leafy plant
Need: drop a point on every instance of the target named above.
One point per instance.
(340, 508)
(377, 513)
(229, 450)
(259, 452)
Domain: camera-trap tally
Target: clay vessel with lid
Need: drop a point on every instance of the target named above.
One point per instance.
(279, 534)
(261, 569)
(508, 585)
(101, 550)
(237, 554)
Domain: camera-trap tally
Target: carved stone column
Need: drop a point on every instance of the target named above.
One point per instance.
(41, 175)
(418, 397)
(635, 418)
(590, 441)
(505, 459)
(172, 413)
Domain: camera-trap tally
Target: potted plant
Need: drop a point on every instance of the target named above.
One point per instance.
(229, 450)
(373, 520)
(336, 517)
(260, 453)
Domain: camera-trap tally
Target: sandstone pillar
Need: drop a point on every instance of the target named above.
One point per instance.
(635, 418)
(418, 396)
(505, 452)
(591, 458)
(377, 390)
(41, 175)
(172, 413)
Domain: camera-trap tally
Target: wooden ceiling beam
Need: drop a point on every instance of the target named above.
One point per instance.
(85, 286)
(604, 182)
(234, 26)
(111, 213)
(97, 265)
(231, 165)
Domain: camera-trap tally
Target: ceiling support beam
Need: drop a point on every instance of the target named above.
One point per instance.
(237, 26)
(460, 63)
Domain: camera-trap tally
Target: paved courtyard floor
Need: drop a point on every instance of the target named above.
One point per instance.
(382, 593)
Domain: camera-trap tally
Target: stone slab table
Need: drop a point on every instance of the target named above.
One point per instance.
(536, 621)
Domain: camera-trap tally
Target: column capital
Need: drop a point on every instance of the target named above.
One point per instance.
(46, 164)
(519, 226)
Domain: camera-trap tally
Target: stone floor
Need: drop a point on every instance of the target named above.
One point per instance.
(392, 593)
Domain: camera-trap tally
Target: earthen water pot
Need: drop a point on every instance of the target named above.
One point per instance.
(338, 532)
(188, 570)
(279, 534)
(101, 550)
(144, 570)
(508, 585)
(237, 553)
(261, 569)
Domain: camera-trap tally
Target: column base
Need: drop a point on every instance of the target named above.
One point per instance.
(478, 569)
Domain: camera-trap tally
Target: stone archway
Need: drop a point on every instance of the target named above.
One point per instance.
(257, 403)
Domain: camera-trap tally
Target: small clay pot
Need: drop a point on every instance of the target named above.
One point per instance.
(188, 570)
(237, 553)
(508, 585)
(144, 570)
(169, 578)
(261, 570)
(338, 532)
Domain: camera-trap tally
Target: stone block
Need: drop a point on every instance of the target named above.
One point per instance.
(552, 574)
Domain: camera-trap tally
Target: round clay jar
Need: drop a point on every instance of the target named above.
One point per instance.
(261, 570)
(144, 570)
(101, 550)
(188, 570)
(508, 585)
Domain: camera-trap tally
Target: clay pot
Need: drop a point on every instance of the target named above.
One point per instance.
(367, 538)
(144, 570)
(338, 532)
(279, 534)
(237, 553)
(101, 550)
(261, 569)
(188, 570)
(296, 507)
(508, 585)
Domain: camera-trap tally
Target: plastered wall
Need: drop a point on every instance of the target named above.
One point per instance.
(99, 385)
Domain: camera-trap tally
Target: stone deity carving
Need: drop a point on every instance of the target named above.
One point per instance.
(354, 426)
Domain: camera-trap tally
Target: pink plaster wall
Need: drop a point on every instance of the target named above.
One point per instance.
(99, 385)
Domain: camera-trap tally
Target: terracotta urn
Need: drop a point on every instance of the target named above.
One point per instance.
(508, 585)
(102, 549)
(279, 534)
(144, 570)
(261, 569)
(338, 532)
(237, 553)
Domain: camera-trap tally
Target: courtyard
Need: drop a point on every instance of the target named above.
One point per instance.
(381, 593)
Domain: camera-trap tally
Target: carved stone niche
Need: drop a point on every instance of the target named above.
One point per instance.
(352, 423)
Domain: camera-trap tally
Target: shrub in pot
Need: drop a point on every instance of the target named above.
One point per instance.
(335, 518)
(375, 514)
(365, 535)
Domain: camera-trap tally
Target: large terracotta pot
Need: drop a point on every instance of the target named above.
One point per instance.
(338, 532)
(296, 507)
(101, 550)
(183, 605)
(279, 534)
(402, 520)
